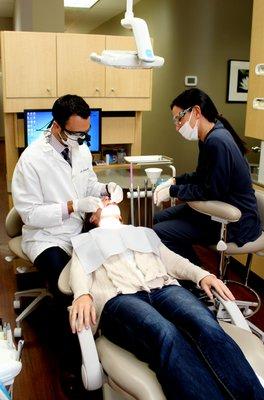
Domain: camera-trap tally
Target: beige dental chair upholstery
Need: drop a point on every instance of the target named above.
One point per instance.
(13, 225)
(123, 376)
(226, 213)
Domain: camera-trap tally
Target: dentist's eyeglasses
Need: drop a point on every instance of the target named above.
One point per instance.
(77, 134)
(177, 118)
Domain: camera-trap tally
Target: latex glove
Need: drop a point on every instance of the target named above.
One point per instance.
(162, 191)
(87, 204)
(115, 191)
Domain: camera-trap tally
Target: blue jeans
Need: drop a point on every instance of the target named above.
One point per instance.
(180, 227)
(171, 330)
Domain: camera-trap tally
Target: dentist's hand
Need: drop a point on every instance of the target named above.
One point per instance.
(115, 191)
(87, 204)
(210, 282)
(95, 217)
(82, 313)
(162, 191)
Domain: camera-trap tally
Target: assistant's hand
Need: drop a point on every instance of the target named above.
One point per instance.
(162, 191)
(82, 313)
(87, 204)
(115, 191)
(211, 282)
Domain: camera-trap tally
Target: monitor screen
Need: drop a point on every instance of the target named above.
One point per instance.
(37, 121)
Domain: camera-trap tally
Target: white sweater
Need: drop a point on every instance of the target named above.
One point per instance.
(118, 275)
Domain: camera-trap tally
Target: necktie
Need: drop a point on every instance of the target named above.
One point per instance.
(65, 155)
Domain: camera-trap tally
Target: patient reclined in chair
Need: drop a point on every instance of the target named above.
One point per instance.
(125, 279)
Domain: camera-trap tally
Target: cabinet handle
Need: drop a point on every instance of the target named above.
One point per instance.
(112, 89)
(259, 69)
(97, 90)
(49, 91)
(258, 103)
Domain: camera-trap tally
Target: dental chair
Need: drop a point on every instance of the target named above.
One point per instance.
(225, 213)
(122, 376)
(13, 225)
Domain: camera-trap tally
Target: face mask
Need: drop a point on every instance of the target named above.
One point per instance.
(71, 141)
(188, 132)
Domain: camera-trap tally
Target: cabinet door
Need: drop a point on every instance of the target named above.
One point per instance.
(29, 64)
(255, 115)
(126, 82)
(76, 73)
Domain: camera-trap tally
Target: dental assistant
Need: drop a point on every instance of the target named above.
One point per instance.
(222, 174)
(54, 185)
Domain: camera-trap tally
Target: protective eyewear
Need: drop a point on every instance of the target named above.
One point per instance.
(177, 118)
(76, 135)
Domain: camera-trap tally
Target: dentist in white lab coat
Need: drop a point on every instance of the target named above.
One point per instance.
(54, 185)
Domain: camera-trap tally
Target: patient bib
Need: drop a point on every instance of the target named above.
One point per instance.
(95, 247)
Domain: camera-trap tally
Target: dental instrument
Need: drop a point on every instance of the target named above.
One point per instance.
(146, 202)
(138, 203)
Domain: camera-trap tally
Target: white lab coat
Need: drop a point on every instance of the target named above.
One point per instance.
(42, 181)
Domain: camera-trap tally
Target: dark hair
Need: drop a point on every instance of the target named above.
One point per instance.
(192, 97)
(87, 225)
(68, 105)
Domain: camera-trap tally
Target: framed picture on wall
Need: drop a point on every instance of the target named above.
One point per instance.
(237, 81)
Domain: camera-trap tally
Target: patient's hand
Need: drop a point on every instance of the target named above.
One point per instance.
(82, 313)
(211, 282)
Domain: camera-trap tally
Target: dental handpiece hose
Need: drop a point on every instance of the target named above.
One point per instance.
(139, 210)
(146, 202)
(132, 203)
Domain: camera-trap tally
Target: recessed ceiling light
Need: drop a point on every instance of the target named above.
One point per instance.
(79, 3)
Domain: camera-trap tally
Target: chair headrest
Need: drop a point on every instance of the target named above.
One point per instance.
(13, 223)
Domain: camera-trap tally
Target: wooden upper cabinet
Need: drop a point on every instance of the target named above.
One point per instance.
(29, 64)
(75, 72)
(255, 116)
(40, 66)
(126, 82)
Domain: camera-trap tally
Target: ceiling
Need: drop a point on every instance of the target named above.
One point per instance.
(95, 16)
(76, 17)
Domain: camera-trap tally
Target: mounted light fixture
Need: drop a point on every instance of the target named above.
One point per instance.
(79, 3)
(143, 57)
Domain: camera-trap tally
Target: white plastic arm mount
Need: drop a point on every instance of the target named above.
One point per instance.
(236, 315)
(92, 373)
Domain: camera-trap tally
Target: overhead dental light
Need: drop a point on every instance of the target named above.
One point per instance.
(143, 57)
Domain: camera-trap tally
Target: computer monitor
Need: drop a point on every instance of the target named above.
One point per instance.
(37, 121)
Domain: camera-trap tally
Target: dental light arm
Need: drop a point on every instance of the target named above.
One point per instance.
(142, 38)
(143, 57)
